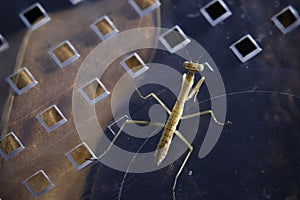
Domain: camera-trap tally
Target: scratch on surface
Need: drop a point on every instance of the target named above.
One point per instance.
(10, 99)
(7, 108)
(253, 91)
(193, 15)
(131, 161)
(245, 11)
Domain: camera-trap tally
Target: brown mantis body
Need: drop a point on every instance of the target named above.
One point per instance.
(170, 128)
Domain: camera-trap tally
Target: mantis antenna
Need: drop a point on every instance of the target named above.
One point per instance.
(177, 33)
(189, 55)
(208, 65)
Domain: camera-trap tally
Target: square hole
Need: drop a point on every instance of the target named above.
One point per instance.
(115, 126)
(10, 145)
(174, 39)
(3, 44)
(104, 28)
(74, 2)
(143, 7)
(38, 183)
(134, 65)
(215, 12)
(245, 48)
(21, 81)
(81, 156)
(64, 53)
(93, 91)
(287, 19)
(51, 118)
(34, 16)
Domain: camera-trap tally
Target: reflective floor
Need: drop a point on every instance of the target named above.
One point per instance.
(255, 157)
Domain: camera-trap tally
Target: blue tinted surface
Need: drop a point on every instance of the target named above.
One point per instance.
(257, 157)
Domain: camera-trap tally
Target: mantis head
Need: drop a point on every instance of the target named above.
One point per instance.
(193, 67)
(196, 67)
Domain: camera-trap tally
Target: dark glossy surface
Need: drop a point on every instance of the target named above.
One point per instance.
(257, 157)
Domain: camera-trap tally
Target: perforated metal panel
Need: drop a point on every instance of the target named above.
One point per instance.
(255, 46)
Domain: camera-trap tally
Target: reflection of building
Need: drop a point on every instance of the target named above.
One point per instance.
(38, 112)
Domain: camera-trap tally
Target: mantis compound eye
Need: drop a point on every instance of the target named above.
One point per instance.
(200, 67)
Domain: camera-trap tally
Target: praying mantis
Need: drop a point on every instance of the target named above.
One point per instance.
(187, 92)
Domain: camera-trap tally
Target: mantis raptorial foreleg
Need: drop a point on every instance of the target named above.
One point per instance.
(196, 88)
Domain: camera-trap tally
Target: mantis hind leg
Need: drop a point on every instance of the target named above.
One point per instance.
(181, 137)
(205, 113)
(122, 127)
